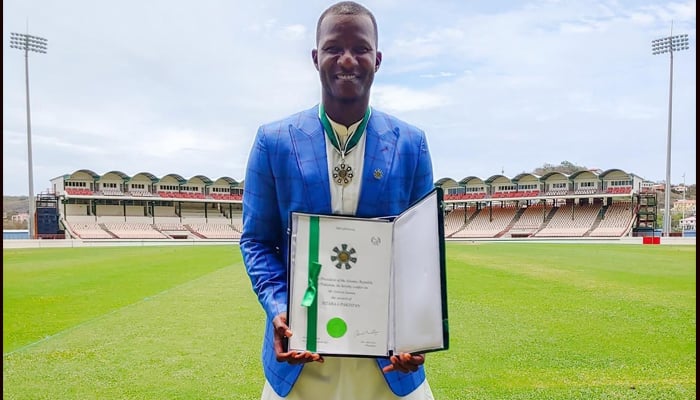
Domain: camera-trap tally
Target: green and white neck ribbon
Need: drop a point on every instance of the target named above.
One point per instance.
(333, 137)
(310, 299)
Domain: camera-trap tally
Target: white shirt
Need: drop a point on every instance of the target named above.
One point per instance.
(344, 199)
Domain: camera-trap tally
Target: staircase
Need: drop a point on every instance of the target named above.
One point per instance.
(104, 228)
(597, 221)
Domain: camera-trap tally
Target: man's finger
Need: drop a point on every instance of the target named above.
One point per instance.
(417, 360)
(283, 331)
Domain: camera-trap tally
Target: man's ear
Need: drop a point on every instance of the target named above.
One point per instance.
(377, 61)
(314, 57)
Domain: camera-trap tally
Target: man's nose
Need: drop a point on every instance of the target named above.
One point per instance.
(347, 59)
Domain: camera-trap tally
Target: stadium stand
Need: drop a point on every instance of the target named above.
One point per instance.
(590, 203)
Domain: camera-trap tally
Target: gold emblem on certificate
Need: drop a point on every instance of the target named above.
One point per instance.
(343, 257)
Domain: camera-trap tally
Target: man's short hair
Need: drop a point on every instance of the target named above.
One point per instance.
(347, 8)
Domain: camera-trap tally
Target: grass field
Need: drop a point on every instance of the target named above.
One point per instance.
(527, 321)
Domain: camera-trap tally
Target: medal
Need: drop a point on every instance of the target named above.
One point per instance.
(342, 173)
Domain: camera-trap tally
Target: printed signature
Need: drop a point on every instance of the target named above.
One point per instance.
(372, 332)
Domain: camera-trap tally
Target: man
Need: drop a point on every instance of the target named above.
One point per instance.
(338, 157)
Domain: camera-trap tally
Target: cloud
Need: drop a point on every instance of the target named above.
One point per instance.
(181, 87)
(402, 99)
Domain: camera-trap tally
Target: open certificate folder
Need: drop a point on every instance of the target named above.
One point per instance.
(369, 287)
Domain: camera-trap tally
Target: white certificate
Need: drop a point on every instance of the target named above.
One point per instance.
(352, 287)
(345, 295)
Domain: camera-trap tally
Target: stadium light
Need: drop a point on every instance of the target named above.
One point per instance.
(669, 44)
(36, 44)
(685, 189)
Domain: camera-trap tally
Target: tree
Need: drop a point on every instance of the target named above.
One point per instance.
(565, 167)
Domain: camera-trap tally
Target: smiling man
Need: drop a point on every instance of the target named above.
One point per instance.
(341, 157)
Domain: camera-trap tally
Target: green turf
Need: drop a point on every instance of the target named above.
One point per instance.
(527, 321)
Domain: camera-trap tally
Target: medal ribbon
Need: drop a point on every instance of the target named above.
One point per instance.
(352, 140)
(311, 295)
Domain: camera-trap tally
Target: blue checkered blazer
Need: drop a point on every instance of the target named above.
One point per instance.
(288, 171)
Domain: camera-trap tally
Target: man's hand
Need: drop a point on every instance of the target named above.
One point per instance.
(282, 332)
(404, 362)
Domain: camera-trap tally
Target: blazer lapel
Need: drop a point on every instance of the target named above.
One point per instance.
(309, 142)
(379, 156)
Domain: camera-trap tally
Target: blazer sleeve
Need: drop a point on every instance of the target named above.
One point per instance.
(263, 231)
(423, 177)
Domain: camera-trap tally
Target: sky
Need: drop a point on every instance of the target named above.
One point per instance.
(173, 86)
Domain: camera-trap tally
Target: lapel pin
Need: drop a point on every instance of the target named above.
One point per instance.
(378, 173)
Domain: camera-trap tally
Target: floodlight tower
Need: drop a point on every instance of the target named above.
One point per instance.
(685, 189)
(36, 44)
(669, 44)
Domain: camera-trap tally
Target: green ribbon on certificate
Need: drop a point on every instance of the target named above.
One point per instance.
(310, 296)
(312, 289)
